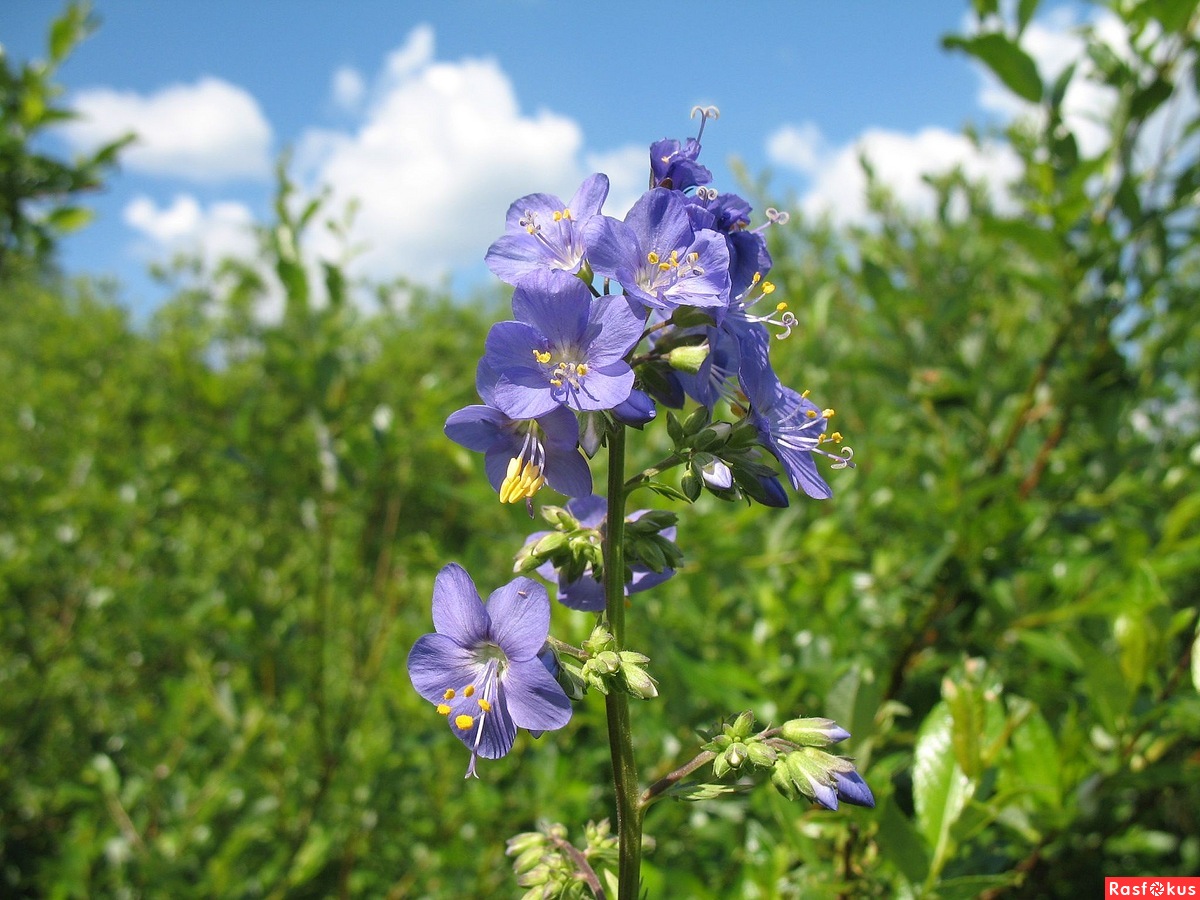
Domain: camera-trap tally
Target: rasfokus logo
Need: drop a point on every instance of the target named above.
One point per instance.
(1152, 887)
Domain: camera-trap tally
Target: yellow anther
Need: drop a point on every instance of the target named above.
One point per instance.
(468, 690)
(532, 229)
(463, 722)
(542, 356)
(768, 288)
(484, 705)
(780, 307)
(443, 709)
(652, 258)
(836, 437)
(664, 267)
(521, 482)
(757, 278)
(557, 382)
(827, 413)
(558, 216)
(566, 213)
(581, 369)
(811, 413)
(449, 694)
(805, 394)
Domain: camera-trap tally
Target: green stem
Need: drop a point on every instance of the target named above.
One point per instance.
(620, 738)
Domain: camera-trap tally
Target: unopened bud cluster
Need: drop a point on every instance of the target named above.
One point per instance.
(548, 866)
(799, 767)
(605, 667)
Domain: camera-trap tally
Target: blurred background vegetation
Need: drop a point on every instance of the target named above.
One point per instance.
(219, 531)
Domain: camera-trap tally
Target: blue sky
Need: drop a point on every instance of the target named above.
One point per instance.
(437, 115)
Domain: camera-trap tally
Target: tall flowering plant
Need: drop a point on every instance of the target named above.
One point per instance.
(616, 324)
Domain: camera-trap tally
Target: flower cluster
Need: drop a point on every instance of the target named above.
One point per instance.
(613, 319)
(691, 275)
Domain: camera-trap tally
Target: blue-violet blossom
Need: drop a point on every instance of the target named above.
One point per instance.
(659, 257)
(544, 233)
(790, 425)
(521, 455)
(482, 667)
(564, 349)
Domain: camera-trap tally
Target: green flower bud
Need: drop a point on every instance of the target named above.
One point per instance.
(737, 754)
(600, 639)
(761, 754)
(688, 359)
(720, 766)
(742, 725)
(608, 661)
(639, 683)
(781, 777)
(547, 544)
(813, 732)
(559, 518)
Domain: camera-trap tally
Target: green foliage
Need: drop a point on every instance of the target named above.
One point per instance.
(218, 537)
(38, 193)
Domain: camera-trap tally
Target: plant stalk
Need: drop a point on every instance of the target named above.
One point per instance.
(620, 737)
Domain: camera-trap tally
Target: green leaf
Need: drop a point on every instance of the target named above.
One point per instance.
(1025, 13)
(940, 787)
(67, 30)
(1035, 761)
(901, 844)
(1012, 65)
(692, 792)
(968, 887)
(69, 218)
(969, 715)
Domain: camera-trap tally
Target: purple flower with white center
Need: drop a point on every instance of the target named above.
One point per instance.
(587, 593)
(520, 455)
(482, 667)
(658, 257)
(565, 349)
(544, 233)
(789, 424)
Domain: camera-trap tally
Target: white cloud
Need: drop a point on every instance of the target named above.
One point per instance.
(208, 131)
(221, 230)
(837, 184)
(348, 88)
(441, 152)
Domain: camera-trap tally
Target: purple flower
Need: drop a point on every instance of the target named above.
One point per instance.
(565, 349)
(482, 668)
(659, 257)
(789, 424)
(673, 165)
(587, 592)
(852, 789)
(520, 455)
(544, 233)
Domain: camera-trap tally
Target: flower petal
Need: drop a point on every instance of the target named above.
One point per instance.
(436, 663)
(458, 611)
(533, 697)
(852, 789)
(490, 734)
(520, 614)
(475, 427)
